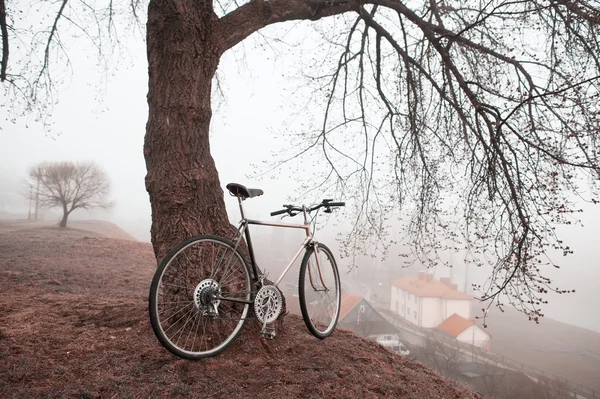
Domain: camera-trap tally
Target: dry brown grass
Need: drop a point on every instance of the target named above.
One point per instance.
(74, 324)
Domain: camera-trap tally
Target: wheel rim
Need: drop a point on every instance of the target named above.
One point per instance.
(322, 292)
(189, 314)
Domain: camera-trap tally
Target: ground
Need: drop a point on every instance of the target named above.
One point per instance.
(74, 324)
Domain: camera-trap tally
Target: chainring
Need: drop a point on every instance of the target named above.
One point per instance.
(268, 304)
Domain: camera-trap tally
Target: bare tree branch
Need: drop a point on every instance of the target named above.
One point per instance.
(255, 15)
(51, 35)
(4, 32)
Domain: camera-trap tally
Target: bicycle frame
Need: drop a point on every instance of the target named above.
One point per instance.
(244, 231)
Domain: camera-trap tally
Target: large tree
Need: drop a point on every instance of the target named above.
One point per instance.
(487, 108)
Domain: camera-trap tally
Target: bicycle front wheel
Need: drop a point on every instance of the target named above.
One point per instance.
(319, 291)
(200, 297)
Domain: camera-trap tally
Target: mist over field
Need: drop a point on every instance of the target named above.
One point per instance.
(111, 133)
(256, 108)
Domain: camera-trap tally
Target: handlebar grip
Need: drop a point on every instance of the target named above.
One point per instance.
(336, 204)
(279, 212)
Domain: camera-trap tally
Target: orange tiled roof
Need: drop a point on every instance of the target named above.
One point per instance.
(455, 324)
(349, 301)
(424, 288)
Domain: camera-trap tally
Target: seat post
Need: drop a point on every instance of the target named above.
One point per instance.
(241, 207)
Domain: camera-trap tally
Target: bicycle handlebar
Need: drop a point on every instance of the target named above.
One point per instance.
(279, 212)
(291, 208)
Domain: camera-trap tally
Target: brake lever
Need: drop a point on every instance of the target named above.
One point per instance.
(289, 214)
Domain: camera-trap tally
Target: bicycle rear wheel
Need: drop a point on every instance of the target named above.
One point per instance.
(200, 297)
(319, 291)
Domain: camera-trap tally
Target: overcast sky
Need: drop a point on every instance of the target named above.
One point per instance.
(110, 132)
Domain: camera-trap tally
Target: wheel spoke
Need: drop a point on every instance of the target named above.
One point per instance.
(178, 320)
(179, 311)
(181, 330)
(190, 331)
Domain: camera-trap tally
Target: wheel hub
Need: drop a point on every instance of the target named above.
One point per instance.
(205, 297)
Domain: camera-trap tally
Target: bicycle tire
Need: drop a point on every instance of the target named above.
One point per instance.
(185, 284)
(314, 291)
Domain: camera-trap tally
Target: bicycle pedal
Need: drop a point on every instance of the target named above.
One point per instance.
(268, 333)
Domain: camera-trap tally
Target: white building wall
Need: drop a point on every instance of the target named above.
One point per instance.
(406, 305)
(413, 308)
(431, 315)
(394, 299)
(398, 303)
(474, 335)
(425, 311)
(461, 307)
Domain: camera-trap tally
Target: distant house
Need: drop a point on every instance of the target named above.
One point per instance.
(426, 302)
(466, 330)
(357, 315)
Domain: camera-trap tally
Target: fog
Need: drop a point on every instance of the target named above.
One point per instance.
(107, 125)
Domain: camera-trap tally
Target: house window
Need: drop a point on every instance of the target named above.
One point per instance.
(416, 300)
(415, 314)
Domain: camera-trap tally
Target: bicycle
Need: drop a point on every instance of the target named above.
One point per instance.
(204, 289)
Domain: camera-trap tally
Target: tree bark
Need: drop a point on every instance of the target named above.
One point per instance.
(63, 222)
(183, 54)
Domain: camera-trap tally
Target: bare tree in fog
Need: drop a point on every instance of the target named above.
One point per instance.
(441, 354)
(70, 186)
(493, 377)
(553, 389)
(478, 121)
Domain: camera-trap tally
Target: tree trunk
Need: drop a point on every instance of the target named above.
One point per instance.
(182, 180)
(63, 222)
(184, 48)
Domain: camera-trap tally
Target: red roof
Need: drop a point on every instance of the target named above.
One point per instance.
(455, 324)
(349, 302)
(432, 288)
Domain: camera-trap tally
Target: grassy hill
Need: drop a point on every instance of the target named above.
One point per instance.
(73, 323)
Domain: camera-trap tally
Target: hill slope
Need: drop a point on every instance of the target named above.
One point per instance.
(73, 323)
(96, 227)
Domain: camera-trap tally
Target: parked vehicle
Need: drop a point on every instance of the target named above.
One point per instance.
(393, 345)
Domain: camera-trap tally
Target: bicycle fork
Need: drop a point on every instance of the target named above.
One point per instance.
(320, 273)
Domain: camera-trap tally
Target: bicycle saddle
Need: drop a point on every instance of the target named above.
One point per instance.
(237, 190)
